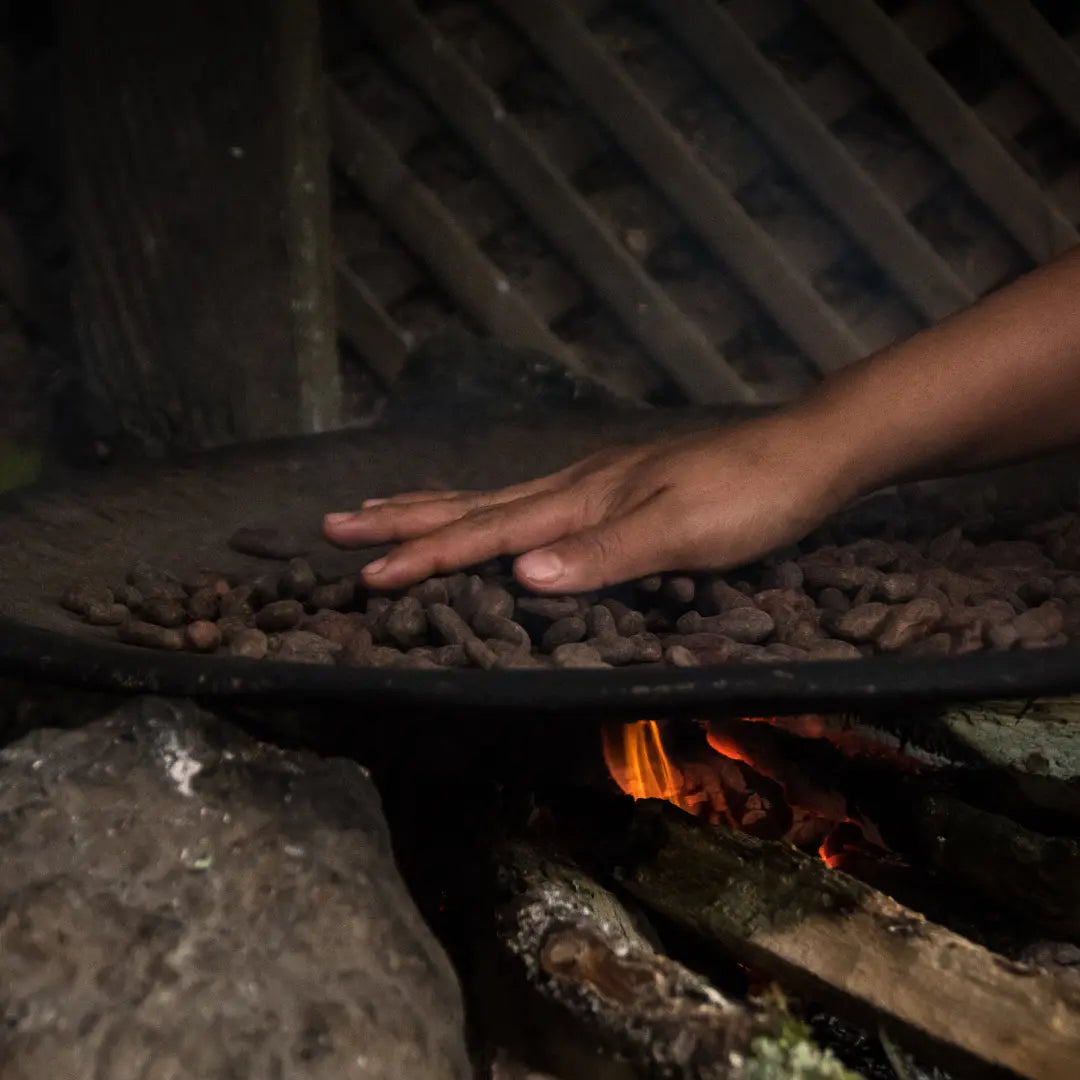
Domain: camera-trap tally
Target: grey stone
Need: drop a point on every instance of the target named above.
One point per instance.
(178, 900)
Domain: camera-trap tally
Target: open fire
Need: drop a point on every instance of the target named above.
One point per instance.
(719, 771)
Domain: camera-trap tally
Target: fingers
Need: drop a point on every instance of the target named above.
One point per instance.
(394, 521)
(415, 497)
(481, 534)
(635, 544)
(403, 517)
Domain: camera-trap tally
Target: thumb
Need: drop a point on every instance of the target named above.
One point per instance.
(631, 546)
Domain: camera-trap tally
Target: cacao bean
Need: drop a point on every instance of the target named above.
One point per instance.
(724, 597)
(237, 602)
(628, 622)
(248, 644)
(929, 648)
(479, 654)
(845, 578)
(168, 613)
(1038, 624)
(833, 600)
(552, 608)
(872, 552)
(335, 595)
(942, 548)
(204, 605)
(785, 575)
(303, 647)
(747, 625)
(909, 623)
(680, 589)
(84, 595)
(151, 636)
(566, 631)
(129, 596)
(202, 636)
(860, 623)
(897, 588)
(280, 615)
(107, 614)
(297, 581)
(233, 625)
(405, 623)
(449, 625)
(600, 622)
(432, 591)
(465, 592)
(267, 543)
(491, 625)
(834, 650)
(680, 656)
(578, 655)
(264, 590)
(496, 601)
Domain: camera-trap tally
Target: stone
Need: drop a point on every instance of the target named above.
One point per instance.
(181, 901)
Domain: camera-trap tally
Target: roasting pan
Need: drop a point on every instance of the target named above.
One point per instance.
(177, 515)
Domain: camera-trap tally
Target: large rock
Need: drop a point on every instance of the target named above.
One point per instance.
(178, 900)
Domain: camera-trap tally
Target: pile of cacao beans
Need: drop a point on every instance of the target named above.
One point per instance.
(946, 596)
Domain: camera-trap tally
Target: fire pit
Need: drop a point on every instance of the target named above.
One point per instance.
(955, 827)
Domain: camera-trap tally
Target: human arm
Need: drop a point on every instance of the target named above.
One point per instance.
(997, 382)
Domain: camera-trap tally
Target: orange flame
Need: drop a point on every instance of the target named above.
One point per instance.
(635, 757)
(638, 762)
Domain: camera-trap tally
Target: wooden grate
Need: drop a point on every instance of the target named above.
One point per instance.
(693, 199)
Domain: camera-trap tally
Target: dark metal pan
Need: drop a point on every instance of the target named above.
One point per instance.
(178, 516)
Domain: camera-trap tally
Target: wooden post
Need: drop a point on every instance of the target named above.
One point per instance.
(202, 287)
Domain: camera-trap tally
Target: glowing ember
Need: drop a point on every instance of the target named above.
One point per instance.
(729, 785)
(728, 747)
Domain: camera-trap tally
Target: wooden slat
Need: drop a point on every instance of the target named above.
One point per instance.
(1010, 108)
(307, 227)
(431, 231)
(557, 209)
(931, 24)
(364, 323)
(735, 238)
(760, 19)
(949, 125)
(811, 151)
(1037, 48)
(198, 218)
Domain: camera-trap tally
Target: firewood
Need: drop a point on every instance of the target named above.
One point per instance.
(930, 818)
(861, 953)
(573, 944)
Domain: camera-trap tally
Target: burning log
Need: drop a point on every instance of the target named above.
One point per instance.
(855, 949)
(575, 946)
(926, 816)
(1036, 876)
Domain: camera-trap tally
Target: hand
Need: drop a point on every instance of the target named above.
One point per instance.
(710, 500)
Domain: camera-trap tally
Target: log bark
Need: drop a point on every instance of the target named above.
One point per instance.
(202, 284)
(1035, 738)
(594, 970)
(820, 932)
(938, 819)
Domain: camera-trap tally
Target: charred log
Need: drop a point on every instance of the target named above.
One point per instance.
(859, 952)
(572, 944)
